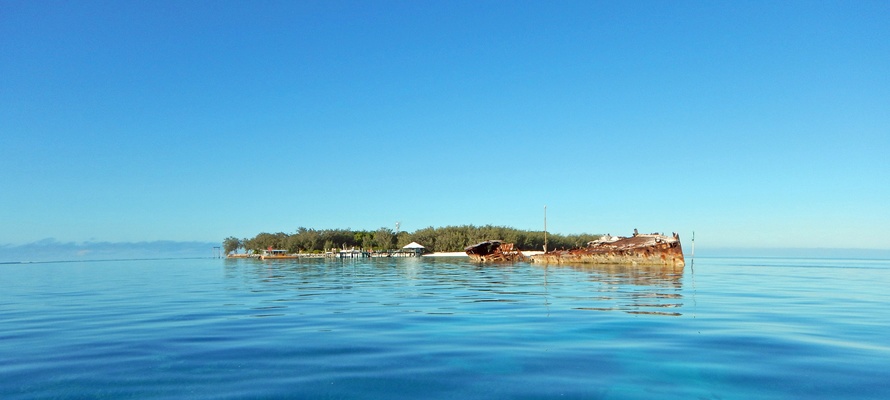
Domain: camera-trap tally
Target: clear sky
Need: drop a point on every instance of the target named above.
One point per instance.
(751, 123)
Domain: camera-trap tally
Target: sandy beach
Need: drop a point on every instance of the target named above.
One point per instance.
(447, 254)
(464, 254)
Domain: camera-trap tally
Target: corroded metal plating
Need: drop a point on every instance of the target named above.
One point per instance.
(639, 249)
(494, 250)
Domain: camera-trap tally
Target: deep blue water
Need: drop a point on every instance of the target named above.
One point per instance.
(721, 328)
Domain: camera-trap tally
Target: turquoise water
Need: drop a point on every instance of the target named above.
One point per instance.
(720, 328)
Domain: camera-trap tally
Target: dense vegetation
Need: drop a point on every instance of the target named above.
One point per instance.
(449, 238)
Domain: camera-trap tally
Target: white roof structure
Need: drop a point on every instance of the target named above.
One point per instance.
(413, 245)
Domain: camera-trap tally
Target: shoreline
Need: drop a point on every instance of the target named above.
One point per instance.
(464, 254)
(447, 254)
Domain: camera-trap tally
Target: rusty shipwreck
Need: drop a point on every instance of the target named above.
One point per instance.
(494, 250)
(639, 249)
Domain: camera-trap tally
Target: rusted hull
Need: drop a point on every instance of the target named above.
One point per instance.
(651, 249)
(497, 257)
(494, 251)
(610, 258)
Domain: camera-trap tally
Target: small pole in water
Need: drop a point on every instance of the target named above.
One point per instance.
(545, 228)
(693, 244)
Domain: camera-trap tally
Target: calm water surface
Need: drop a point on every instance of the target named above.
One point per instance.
(445, 328)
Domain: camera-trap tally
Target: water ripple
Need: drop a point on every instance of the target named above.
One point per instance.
(410, 328)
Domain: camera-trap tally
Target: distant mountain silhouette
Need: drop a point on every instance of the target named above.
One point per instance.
(54, 250)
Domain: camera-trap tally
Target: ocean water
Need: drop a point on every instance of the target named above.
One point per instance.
(720, 328)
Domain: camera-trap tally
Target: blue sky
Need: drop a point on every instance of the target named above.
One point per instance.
(754, 124)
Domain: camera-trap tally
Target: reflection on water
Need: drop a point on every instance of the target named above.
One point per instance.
(638, 289)
(652, 290)
(452, 286)
(445, 329)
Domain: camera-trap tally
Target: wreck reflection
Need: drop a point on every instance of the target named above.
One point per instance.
(652, 290)
(452, 287)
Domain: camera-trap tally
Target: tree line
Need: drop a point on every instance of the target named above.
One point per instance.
(443, 239)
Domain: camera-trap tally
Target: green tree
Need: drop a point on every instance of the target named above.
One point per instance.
(292, 244)
(448, 238)
(367, 242)
(265, 240)
(384, 238)
(231, 244)
(310, 240)
(426, 237)
(402, 239)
